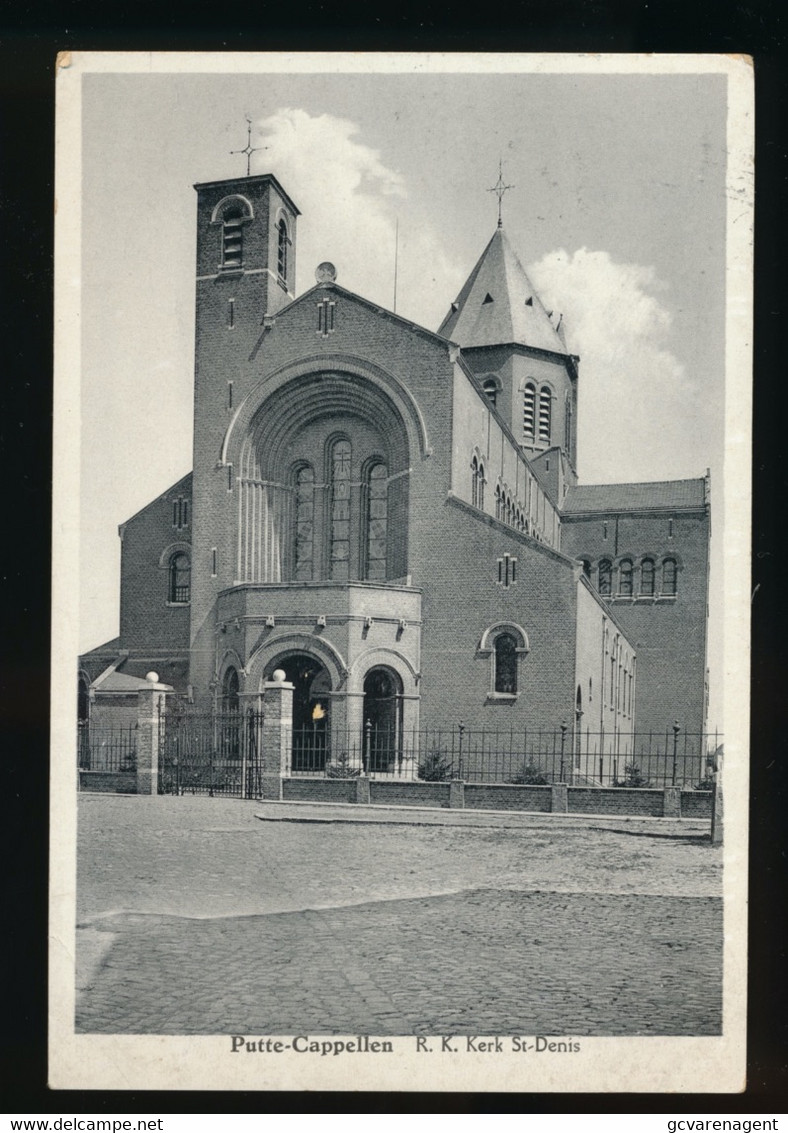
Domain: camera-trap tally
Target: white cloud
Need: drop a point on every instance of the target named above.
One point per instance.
(350, 201)
(635, 395)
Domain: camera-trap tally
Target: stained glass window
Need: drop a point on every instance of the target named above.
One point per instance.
(377, 522)
(304, 524)
(340, 510)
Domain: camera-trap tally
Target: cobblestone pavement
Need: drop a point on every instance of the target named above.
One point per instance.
(197, 918)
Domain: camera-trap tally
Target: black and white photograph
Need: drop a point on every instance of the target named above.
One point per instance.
(401, 577)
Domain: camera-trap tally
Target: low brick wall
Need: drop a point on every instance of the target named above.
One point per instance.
(505, 796)
(404, 793)
(696, 804)
(108, 782)
(319, 790)
(645, 802)
(616, 800)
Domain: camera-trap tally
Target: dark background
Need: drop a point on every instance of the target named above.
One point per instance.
(30, 36)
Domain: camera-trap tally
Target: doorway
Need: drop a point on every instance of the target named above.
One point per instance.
(311, 710)
(382, 720)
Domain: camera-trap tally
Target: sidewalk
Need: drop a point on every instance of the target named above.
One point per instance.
(697, 829)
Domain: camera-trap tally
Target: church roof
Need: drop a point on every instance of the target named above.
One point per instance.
(498, 304)
(635, 497)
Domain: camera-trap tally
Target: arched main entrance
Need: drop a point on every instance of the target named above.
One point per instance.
(311, 709)
(382, 720)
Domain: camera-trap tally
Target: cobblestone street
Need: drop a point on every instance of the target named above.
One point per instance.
(197, 918)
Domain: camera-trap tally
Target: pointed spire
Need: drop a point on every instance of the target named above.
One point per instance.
(498, 304)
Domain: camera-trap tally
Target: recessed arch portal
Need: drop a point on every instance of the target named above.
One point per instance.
(342, 427)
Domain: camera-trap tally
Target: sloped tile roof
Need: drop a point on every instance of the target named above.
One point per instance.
(635, 497)
(498, 304)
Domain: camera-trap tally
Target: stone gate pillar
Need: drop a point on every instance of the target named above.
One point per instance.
(151, 701)
(717, 833)
(277, 739)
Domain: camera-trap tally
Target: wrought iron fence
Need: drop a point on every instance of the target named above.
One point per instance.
(210, 753)
(529, 756)
(105, 747)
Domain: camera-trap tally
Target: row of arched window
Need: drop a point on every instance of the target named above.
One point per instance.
(235, 213)
(509, 511)
(374, 525)
(477, 483)
(649, 580)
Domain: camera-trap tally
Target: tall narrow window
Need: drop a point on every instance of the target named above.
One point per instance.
(232, 238)
(490, 388)
(475, 482)
(340, 510)
(647, 578)
(304, 524)
(669, 577)
(480, 487)
(625, 578)
(281, 257)
(605, 574)
(498, 502)
(545, 408)
(376, 522)
(529, 412)
(180, 578)
(568, 421)
(506, 663)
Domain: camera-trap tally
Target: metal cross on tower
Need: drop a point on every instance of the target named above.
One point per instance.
(248, 149)
(499, 188)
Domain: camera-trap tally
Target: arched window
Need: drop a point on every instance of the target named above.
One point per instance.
(605, 574)
(529, 412)
(625, 578)
(505, 649)
(647, 578)
(232, 238)
(340, 510)
(586, 568)
(490, 387)
(545, 413)
(376, 522)
(498, 502)
(568, 421)
(304, 524)
(475, 482)
(179, 589)
(281, 252)
(669, 577)
(480, 488)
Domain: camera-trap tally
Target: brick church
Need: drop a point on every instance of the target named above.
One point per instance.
(392, 515)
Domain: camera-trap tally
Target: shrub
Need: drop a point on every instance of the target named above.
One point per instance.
(633, 777)
(706, 784)
(435, 767)
(341, 768)
(530, 774)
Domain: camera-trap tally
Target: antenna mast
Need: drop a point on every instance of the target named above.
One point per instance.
(396, 258)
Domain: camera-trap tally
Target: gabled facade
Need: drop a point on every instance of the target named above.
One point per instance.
(392, 516)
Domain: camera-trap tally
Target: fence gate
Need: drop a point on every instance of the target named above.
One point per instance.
(211, 753)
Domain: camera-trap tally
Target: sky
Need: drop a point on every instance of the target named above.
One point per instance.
(617, 211)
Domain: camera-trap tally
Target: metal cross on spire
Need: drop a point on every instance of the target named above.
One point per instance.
(500, 189)
(248, 149)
